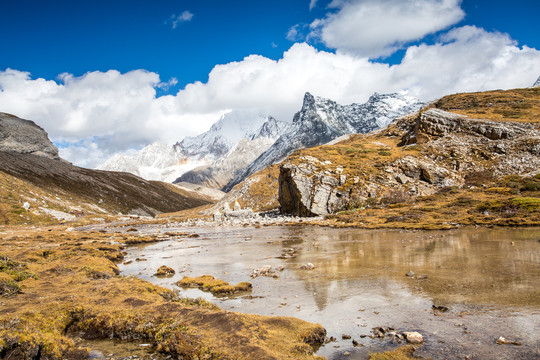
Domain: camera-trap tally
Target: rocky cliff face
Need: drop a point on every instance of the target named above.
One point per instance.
(24, 137)
(305, 191)
(321, 120)
(414, 157)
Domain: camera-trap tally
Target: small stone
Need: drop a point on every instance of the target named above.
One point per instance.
(410, 274)
(413, 337)
(345, 336)
(95, 354)
(346, 353)
(502, 341)
(439, 308)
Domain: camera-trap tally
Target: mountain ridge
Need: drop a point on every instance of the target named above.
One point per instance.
(321, 120)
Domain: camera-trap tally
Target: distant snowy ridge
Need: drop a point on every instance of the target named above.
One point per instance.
(169, 162)
(156, 161)
(241, 143)
(321, 120)
(537, 82)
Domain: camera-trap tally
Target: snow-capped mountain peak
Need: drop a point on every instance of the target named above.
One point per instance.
(223, 134)
(321, 120)
(163, 162)
(156, 161)
(241, 143)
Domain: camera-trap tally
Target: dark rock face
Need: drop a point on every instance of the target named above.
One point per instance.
(24, 137)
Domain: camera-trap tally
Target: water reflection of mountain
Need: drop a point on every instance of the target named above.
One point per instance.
(496, 266)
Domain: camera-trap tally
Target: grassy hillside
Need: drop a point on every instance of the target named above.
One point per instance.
(485, 198)
(520, 105)
(56, 189)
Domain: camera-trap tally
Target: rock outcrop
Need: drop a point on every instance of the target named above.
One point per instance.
(304, 191)
(435, 150)
(24, 137)
(438, 123)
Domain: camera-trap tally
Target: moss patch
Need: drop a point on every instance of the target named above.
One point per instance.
(213, 285)
(165, 271)
(402, 353)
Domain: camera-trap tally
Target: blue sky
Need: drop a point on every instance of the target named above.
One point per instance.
(104, 77)
(48, 38)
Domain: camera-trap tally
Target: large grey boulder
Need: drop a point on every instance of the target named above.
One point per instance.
(304, 191)
(24, 137)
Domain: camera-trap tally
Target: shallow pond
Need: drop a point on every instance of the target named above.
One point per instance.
(489, 279)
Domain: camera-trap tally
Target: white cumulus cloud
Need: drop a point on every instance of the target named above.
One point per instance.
(101, 113)
(375, 28)
(112, 110)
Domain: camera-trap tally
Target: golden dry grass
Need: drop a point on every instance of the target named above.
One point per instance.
(72, 290)
(213, 285)
(521, 105)
(401, 353)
